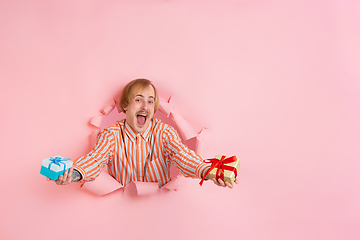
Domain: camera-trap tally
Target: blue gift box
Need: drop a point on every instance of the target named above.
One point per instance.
(53, 167)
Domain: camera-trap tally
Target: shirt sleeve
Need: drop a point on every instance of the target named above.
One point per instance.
(186, 160)
(91, 164)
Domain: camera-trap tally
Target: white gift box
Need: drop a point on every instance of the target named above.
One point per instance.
(55, 166)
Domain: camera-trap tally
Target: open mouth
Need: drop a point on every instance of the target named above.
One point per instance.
(141, 118)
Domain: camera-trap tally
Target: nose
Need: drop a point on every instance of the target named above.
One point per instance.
(145, 105)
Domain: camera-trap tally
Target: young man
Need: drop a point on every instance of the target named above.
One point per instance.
(138, 148)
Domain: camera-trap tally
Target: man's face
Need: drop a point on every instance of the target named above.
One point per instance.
(140, 110)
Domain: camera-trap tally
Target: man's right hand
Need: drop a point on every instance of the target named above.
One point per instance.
(69, 176)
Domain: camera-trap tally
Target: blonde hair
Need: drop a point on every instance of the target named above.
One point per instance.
(137, 84)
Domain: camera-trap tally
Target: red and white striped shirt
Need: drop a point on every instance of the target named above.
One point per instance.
(145, 156)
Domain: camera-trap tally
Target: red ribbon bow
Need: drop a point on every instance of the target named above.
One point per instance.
(220, 165)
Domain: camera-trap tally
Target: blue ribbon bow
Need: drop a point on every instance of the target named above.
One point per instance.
(58, 161)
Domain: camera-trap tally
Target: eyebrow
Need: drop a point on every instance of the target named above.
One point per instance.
(140, 95)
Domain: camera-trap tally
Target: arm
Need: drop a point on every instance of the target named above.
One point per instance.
(186, 160)
(89, 166)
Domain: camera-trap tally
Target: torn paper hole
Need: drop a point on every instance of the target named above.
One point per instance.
(105, 184)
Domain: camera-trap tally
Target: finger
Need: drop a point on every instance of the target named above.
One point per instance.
(229, 185)
(48, 179)
(221, 182)
(236, 181)
(65, 177)
(59, 181)
(68, 180)
(216, 182)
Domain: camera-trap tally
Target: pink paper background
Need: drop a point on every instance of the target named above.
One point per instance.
(275, 82)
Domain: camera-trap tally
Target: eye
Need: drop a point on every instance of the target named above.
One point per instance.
(151, 102)
(137, 100)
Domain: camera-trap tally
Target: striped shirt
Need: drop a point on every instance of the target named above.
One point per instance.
(145, 156)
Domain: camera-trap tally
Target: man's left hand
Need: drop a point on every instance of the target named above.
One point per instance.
(221, 183)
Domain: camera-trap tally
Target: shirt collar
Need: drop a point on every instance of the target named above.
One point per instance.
(132, 134)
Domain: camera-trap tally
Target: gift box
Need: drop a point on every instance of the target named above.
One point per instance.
(225, 168)
(53, 167)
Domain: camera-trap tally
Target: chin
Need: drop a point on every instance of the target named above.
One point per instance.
(142, 128)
